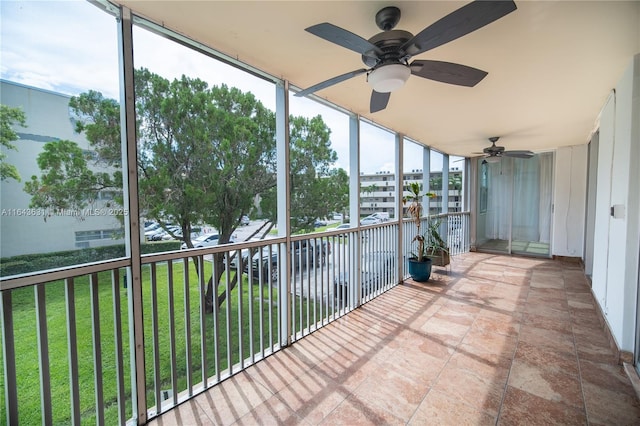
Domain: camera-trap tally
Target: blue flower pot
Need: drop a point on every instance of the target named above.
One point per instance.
(420, 271)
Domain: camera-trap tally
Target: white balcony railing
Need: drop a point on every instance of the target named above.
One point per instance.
(69, 332)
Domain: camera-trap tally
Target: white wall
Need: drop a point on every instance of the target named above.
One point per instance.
(47, 117)
(570, 192)
(615, 265)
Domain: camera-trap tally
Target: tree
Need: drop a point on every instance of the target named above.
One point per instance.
(337, 190)
(455, 181)
(204, 153)
(317, 188)
(368, 189)
(67, 182)
(8, 118)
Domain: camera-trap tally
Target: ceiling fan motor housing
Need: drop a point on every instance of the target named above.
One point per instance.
(389, 42)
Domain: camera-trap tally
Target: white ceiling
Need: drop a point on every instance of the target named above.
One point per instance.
(551, 64)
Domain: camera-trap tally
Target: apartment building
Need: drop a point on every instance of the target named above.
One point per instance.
(377, 191)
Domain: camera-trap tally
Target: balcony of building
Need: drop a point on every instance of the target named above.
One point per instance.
(327, 327)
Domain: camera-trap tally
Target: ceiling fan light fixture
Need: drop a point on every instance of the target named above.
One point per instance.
(493, 159)
(388, 78)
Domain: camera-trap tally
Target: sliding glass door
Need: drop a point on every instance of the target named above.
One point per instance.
(514, 205)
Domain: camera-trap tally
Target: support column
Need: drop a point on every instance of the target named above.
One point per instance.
(399, 205)
(132, 220)
(354, 204)
(284, 208)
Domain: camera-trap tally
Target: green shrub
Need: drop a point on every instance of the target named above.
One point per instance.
(26, 263)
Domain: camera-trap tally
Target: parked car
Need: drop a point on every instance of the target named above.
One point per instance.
(383, 216)
(318, 223)
(159, 233)
(244, 220)
(206, 240)
(175, 230)
(341, 227)
(369, 220)
(152, 229)
(177, 234)
(303, 253)
(377, 269)
(150, 225)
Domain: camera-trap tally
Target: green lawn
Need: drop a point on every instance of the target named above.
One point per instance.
(245, 303)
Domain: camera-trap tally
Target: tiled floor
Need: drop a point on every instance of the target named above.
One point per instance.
(496, 340)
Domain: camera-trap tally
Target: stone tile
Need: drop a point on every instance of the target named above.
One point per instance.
(609, 376)
(440, 409)
(487, 363)
(546, 282)
(355, 411)
(595, 348)
(471, 388)
(552, 361)
(542, 309)
(392, 392)
(350, 379)
(547, 294)
(188, 413)
(522, 408)
(547, 323)
(434, 348)
(444, 331)
(232, 399)
(504, 345)
(278, 370)
(546, 383)
(496, 325)
(312, 397)
(547, 338)
(272, 411)
(605, 406)
(417, 366)
(458, 313)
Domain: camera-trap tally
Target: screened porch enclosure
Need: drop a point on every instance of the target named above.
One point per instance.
(106, 322)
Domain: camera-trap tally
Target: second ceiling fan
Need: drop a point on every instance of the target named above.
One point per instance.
(493, 153)
(387, 54)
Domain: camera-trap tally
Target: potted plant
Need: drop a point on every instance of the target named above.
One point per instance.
(419, 261)
(435, 247)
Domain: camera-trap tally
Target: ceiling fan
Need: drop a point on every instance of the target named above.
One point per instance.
(493, 153)
(387, 54)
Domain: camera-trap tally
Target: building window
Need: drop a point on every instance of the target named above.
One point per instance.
(104, 234)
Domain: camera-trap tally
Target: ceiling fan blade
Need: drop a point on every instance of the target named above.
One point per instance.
(447, 72)
(379, 101)
(330, 82)
(518, 154)
(461, 22)
(345, 38)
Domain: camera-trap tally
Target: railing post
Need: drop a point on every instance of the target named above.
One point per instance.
(43, 352)
(9, 359)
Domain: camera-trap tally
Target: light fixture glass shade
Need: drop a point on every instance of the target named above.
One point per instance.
(388, 78)
(494, 159)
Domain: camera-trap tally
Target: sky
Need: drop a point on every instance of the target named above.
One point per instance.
(71, 47)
